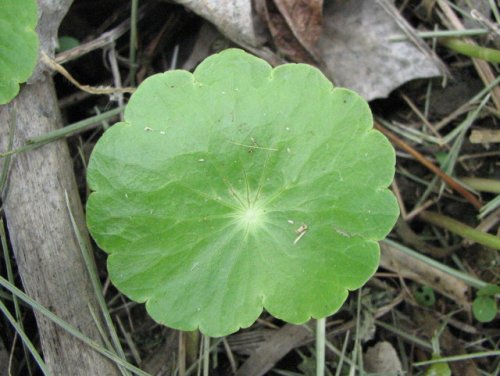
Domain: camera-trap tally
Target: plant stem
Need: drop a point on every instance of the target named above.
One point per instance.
(489, 54)
(442, 34)
(458, 358)
(459, 228)
(320, 346)
(206, 355)
(483, 185)
(133, 42)
(67, 131)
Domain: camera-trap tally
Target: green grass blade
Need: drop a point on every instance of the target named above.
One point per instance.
(96, 283)
(69, 328)
(25, 339)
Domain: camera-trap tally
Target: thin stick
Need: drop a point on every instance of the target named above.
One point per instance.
(96, 284)
(89, 89)
(78, 127)
(10, 276)
(459, 228)
(206, 355)
(102, 41)
(182, 354)
(320, 346)
(25, 339)
(431, 166)
(342, 355)
(441, 34)
(458, 358)
(422, 117)
(133, 42)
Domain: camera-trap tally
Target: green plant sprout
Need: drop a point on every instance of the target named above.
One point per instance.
(441, 368)
(424, 295)
(19, 45)
(240, 188)
(484, 306)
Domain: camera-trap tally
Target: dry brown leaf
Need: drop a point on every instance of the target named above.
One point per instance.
(305, 18)
(270, 352)
(234, 19)
(485, 136)
(208, 41)
(356, 48)
(428, 7)
(408, 267)
(383, 359)
(295, 26)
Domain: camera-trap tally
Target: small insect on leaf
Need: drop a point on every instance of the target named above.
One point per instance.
(301, 231)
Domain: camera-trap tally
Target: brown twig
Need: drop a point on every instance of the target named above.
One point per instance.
(89, 89)
(431, 166)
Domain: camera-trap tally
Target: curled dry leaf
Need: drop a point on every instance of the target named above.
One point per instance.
(295, 27)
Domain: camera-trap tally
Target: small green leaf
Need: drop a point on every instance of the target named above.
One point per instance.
(438, 369)
(442, 158)
(484, 308)
(238, 188)
(424, 295)
(67, 43)
(18, 45)
(489, 290)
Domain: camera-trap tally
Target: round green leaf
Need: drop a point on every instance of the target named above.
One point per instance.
(484, 308)
(18, 45)
(241, 187)
(424, 295)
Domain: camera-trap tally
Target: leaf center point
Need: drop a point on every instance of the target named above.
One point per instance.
(251, 216)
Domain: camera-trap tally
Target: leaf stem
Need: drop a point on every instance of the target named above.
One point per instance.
(320, 346)
(483, 185)
(489, 54)
(133, 42)
(458, 358)
(206, 355)
(459, 228)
